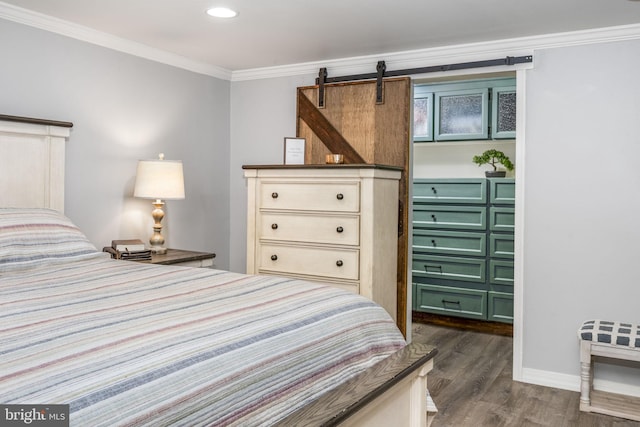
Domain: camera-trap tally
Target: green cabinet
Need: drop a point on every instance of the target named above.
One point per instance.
(464, 110)
(462, 253)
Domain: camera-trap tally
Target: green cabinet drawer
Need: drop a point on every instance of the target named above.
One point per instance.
(502, 191)
(451, 301)
(502, 218)
(500, 307)
(449, 268)
(450, 242)
(501, 246)
(501, 272)
(465, 191)
(459, 217)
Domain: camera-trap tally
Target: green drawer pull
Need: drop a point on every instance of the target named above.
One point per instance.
(434, 190)
(433, 217)
(426, 268)
(433, 242)
(444, 301)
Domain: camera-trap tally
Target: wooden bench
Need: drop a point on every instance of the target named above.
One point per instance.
(614, 340)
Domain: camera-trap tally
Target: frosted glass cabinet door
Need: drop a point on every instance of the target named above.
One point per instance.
(422, 115)
(462, 114)
(503, 119)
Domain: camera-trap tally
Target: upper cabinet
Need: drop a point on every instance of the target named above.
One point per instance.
(465, 110)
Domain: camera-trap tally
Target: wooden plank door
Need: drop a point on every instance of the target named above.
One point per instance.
(353, 124)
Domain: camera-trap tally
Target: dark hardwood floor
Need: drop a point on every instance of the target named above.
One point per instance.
(471, 385)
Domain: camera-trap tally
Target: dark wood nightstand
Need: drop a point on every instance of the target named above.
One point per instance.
(183, 258)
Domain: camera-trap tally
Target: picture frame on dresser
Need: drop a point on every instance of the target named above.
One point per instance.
(294, 151)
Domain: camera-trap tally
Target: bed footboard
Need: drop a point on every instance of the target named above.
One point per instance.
(392, 392)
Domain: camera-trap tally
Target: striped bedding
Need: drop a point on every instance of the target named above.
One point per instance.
(127, 343)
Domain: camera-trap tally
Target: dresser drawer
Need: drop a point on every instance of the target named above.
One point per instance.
(451, 268)
(501, 246)
(332, 229)
(502, 191)
(463, 191)
(308, 260)
(460, 217)
(450, 242)
(502, 218)
(500, 307)
(446, 300)
(311, 196)
(501, 272)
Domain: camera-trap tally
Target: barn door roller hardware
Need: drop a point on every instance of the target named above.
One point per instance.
(381, 73)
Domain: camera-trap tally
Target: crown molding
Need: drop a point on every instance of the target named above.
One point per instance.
(79, 32)
(345, 66)
(446, 54)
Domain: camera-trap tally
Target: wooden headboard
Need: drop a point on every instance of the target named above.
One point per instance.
(32, 162)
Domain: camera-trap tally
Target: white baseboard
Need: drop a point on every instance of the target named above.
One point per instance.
(572, 382)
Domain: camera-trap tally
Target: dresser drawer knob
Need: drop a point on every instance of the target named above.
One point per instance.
(274, 257)
(339, 229)
(340, 196)
(274, 195)
(433, 217)
(274, 226)
(339, 263)
(433, 242)
(434, 190)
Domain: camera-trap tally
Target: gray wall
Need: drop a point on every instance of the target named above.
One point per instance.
(582, 197)
(124, 109)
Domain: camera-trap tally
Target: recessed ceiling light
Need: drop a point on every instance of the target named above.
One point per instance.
(222, 12)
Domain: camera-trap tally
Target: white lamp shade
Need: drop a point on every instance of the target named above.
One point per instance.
(159, 179)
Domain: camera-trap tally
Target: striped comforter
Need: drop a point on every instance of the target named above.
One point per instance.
(126, 343)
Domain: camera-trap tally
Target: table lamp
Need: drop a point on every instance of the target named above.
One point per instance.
(159, 180)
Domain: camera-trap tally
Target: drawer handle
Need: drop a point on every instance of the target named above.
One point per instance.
(274, 195)
(434, 190)
(274, 226)
(433, 217)
(339, 263)
(339, 229)
(340, 196)
(433, 243)
(274, 257)
(444, 301)
(426, 268)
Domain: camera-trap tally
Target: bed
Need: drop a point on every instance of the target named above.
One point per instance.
(125, 343)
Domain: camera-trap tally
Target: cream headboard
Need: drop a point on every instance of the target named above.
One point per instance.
(32, 162)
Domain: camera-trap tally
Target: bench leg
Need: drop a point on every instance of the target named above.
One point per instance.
(586, 375)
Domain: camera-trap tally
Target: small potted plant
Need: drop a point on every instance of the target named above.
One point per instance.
(493, 158)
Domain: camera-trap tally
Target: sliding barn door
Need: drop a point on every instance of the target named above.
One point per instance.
(352, 123)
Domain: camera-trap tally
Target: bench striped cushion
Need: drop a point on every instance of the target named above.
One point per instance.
(609, 332)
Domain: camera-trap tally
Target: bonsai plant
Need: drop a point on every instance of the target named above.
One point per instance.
(493, 158)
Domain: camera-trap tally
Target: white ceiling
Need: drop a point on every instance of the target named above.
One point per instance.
(270, 33)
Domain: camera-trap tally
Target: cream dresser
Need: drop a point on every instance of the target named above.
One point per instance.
(336, 224)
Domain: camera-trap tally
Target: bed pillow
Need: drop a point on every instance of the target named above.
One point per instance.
(33, 236)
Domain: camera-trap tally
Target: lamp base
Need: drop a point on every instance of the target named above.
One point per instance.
(157, 241)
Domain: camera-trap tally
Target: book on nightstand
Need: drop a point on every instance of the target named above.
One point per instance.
(132, 250)
(128, 245)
